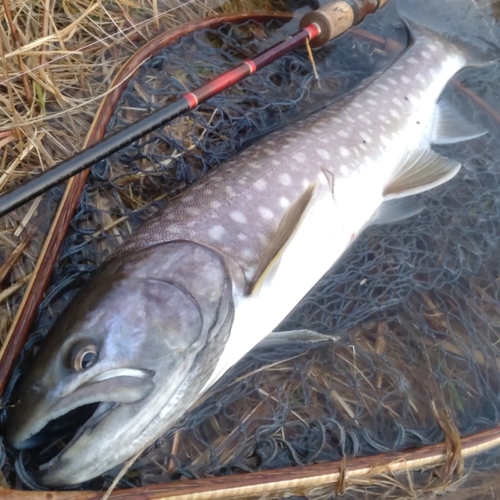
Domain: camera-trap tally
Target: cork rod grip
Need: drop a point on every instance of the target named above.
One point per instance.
(337, 17)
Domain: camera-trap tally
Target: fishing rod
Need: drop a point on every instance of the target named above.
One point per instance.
(317, 28)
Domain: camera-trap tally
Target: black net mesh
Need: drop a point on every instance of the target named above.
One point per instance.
(414, 306)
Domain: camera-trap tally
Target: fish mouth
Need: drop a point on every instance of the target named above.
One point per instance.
(50, 455)
(57, 423)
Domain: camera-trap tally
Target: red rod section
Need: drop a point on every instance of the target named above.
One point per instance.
(235, 75)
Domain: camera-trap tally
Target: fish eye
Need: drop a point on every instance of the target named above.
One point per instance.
(83, 357)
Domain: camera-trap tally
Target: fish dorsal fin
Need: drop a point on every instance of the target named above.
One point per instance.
(288, 225)
(419, 171)
(449, 126)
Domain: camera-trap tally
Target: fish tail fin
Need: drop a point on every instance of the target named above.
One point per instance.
(471, 25)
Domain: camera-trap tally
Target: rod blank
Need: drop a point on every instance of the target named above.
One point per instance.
(317, 27)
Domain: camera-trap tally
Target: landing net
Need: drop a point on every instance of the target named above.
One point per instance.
(415, 307)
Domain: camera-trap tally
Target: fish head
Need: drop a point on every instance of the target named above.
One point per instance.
(132, 349)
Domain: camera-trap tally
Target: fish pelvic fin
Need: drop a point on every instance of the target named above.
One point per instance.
(286, 229)
(471, 26)
(419, 171)
(302, 337)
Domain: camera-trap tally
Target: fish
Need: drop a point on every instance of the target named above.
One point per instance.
(210, 276)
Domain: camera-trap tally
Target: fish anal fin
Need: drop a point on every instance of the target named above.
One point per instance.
(393, 211)
(286, 229)
(449, 126)
(419, 171)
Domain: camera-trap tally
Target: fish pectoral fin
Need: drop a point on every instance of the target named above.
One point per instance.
(396, 210)
(419, 171)
(286, 229)
(449, 126)
(295, 337)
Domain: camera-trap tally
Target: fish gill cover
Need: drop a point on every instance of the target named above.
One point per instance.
(416, 305)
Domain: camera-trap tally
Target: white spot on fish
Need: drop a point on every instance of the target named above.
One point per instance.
(432, 47)
(285, 179)
(299, 157)
(392, 81)
(426, 55)
(336, 120)
(237, 216)
(371, 102)
(385, 88)
(323, 153)
(270, 152)
(242, 237)
(412, 99)
(174, 228)
(356, 105)
(216, 232)
(208, 191)
(230, 191)
(394, 113)
(385, 140)
(193, 211)
(405, 79)
(260, 185)
(188, 198)
(344, 151)
(284, 202)
(343, 133)
(397, 102)
(367, 120)
(365, 137)
(276, 163)
(247, 253)
(419, 78)
(262, 239)
(350, 119)
(255, 164)
(344, 170)
(412, 60)
(215, 204)
(265, 213)
(371, 92)
(305, 183)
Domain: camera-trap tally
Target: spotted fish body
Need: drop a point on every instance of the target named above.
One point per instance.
(351, 149)
(209, 277)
